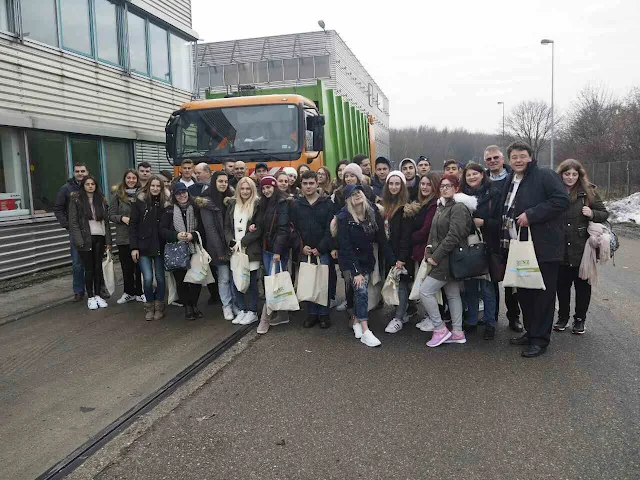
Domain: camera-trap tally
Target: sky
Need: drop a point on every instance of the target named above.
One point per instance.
(447, 64)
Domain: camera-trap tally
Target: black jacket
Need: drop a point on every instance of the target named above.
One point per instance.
(212, 218)
(144, 228)
(575, 226)
(377, 186)
(79, 223)
(61, 206)
(338, 197)
(274, 222)
(401, 228)
(501, 184)
(413, 190)
(196, 189)
(489, 209)
(167, 230)
(313, 222)
(250, 240)
(544, 198)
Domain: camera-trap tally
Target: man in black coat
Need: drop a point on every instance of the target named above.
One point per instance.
(535, 198)
(61, 210)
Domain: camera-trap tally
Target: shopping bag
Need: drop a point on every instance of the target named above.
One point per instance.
(375, 295)
(390, 288)
(423, 272)
(278, 291)
(375, 275)
(522, 265)
(176, 256)
(172, 288)
(313, 282)
(240, 270)
(199, 271)
(108, 273)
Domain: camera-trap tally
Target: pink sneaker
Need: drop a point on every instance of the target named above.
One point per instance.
(456, 337)
(439, 337)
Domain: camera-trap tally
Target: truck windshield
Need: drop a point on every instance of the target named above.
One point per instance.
(223, 132)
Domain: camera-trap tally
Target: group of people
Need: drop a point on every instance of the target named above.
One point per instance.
(369, 220)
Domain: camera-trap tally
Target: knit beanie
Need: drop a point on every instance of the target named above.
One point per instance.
(405, 160)
(397, 173)
(268, 180)
(290, 171)
(354, 169)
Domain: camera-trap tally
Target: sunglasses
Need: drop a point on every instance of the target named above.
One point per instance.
(494, 158)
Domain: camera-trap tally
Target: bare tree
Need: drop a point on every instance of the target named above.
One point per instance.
(530, 121)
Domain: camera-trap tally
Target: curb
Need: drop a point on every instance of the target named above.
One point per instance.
(33, 311)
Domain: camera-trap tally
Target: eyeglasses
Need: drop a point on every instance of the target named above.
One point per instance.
(446, 186)
(494, 158)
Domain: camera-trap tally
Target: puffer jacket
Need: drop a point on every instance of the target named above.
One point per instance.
(421, 228)
(575, 225)
(213, 227)
(144, 227)
(275, 226)
(119, 208)
(450, 228)
(251, 240)
(79, 223)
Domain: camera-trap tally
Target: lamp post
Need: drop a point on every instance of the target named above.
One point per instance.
(546, 41)
(502, 103)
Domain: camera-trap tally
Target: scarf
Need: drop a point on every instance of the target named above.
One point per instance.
(508, 216)
(599, 240)
(179, 225)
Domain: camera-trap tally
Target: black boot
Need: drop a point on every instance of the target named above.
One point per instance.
(189, 314)
(310, 321)
(489, 332)
(515, 325)
(325, 322)
(578, 326)
(197, 312)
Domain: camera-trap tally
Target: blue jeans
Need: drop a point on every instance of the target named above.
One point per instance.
(403, 297)
(77, 269)
(475, 288)
(224, 284)
(360, 297)
(314, 308)
(247, 301)
(147, 266)
(267, 260)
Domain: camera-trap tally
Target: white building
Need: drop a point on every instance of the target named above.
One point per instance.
(295, 60)
(81, 80)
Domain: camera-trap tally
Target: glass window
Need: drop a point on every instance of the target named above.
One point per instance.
(48, 167)
(76, 33)
(246, 73)
(203, 76)
(290, 68)
(159, 53)
(322, 66)
(137, 43)
(260, 72)
(14, 198)
(306, 67)
(181, 63)
(275, 71)
(231, 74)
(217, 76)
(107, 31)
(4, 15)
(39, 20)
(117, 160)
(85, 150)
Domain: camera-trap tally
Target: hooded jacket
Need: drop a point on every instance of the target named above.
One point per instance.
(450, 228)
(421, 228)
(251, 240)
(338, 196)
(312, 222)
(61, 205)
(274, 222)
(401, 228)
(119, 208)
(144, 227)
(79, 223)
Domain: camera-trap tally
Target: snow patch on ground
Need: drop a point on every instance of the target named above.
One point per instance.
(625, 210)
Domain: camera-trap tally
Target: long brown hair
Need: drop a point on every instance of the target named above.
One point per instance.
(583, 179)
(146, 191)
(121, 189)
(392, 203)
(434, 178)
(327, 186)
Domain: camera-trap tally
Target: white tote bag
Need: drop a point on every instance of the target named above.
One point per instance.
(240, 270)
(313, 282)
(108, 273)
(423, 272)
(199, 271)
(172, 288)
(390, 288)
(522, 265)
(279, 292)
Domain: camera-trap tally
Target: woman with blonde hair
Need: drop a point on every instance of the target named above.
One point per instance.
(585, 206)
(241, 215)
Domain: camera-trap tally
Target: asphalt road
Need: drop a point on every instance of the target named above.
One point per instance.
(314, 404)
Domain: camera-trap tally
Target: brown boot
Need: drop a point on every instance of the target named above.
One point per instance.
(159, 306)
(149, 311)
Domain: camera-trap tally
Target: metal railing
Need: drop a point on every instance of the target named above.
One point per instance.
(615, 179)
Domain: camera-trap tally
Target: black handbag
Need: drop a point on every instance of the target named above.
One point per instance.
(470, 261)
(497, 267)
(177, 256)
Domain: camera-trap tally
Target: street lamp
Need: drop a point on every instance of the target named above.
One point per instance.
(546, 41)
(502, 103)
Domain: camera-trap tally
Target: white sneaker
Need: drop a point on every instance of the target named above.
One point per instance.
(141, 298)
(235, 310)
(394, 326)
(92, 303)
(481, 305)
(425, 325)
(125, 298)
(101, 302)
(176, 304)
(369, 339)
(239, 317)
(228, 313)
(249, 318)
(357, 330)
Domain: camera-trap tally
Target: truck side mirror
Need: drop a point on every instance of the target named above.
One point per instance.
(317, 127)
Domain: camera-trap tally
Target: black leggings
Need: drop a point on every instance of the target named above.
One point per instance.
(187, 292)
(130, 272)
(92, 261)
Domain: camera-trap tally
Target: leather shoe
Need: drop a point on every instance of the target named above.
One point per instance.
(522, 340)
(311, 321)
(324, 321)
(533, 351)
(515, 325)
(78, 297)
(197, 312)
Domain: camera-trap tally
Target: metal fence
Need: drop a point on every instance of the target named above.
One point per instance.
(615, 179)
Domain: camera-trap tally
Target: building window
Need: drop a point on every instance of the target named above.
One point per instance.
(217, 76)
(290, 68)
(182, 63)
(260, 72)
(39, 20)
(137, 43)
(48, 168)
(14, 198)
(76, 32)
(4, 16)
(322, 66)
(85, 150)
(159, 49)
(246, 73)
(306, 67)
(231, 74)
(275, 71)
(107, 31)
(203, 76)
(117, 160)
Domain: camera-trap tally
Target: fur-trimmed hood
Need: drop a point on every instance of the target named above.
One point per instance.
(469, 201)
(140, 196)
(411, 209)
